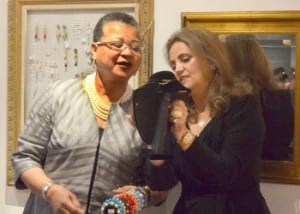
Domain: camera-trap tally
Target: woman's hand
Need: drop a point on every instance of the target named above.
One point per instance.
(119, 191)
(156, 197)
(178, 118)
(63, 201)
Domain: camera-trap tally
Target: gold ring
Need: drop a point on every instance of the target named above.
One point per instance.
(176, 114)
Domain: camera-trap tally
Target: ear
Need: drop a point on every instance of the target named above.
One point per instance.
(93, 52)
(94, 47)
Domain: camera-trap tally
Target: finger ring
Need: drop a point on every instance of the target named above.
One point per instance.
(176, 114)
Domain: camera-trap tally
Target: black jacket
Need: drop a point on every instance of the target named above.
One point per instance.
(278, 112)
(219, 172)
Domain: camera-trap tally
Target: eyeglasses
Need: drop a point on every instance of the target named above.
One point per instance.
(135, 47)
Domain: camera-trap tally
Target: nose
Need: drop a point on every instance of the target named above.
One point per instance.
(126, 49)
(178, 69)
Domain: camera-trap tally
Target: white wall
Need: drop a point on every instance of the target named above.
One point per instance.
(282, 199)
(3, 94)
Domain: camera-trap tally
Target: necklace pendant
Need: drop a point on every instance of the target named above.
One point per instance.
(201, 124)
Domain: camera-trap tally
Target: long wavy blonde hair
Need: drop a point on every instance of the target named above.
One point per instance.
(206, 45)
(250, 63)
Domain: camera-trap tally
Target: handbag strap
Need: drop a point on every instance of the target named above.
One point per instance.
(93, 172)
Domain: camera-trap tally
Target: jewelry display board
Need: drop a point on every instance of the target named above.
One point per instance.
(56, 50)
(50, 40)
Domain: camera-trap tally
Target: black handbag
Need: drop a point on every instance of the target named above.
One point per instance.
(151, 109)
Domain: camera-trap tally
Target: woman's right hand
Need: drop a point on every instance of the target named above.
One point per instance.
(178, 118)
(63, 201)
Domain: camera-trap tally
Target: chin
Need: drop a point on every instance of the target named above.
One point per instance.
(186, 84)
(123, 74)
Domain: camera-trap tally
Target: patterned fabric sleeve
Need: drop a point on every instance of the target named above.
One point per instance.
(32, 142)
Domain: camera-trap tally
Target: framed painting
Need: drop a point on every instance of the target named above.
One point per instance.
(278, 33)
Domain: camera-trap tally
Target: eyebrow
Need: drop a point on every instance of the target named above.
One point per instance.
(122, 39)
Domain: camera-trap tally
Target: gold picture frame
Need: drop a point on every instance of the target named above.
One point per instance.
(25, 13)
(263, 22)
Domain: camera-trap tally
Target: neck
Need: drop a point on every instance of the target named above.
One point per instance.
(111, 90)
(200, 105)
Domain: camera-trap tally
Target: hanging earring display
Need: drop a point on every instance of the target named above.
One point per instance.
(45, 33)
(53, 74)
(75, 57)
(85, 41)
(89, 32)
(31, 65)
(87, 50)
(58, 50)
(66, 59)
(58, 32)
(77, 31)
(36, 32)
(66, 54)
(64, 33)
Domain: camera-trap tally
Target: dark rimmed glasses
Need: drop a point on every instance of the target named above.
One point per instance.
(135, 47)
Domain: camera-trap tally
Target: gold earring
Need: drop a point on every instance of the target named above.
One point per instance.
(36, 33)
(75, 57)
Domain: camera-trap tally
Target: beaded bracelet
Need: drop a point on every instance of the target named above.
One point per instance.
(148, 192)
(113, 206)
(140, 197)
(129, 202)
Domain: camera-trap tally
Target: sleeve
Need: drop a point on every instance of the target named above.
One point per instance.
(278, 113)
(237, 157)
(32, 142)
(162, 177)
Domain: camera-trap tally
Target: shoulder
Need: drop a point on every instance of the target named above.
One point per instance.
(63, 90)
(243, 103)
(55, 90)
(244, 109)
(245, 114)
(63, 85)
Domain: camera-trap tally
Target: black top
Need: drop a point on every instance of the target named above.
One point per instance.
(278, 111)
(219, 172)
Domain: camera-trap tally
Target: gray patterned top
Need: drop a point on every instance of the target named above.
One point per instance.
(61, 135)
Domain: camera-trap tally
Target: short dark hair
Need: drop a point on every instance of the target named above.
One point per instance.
(111, 17)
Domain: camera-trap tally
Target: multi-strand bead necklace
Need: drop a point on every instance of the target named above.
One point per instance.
(100, 107)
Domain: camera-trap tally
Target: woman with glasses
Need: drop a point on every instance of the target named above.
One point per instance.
(80, 142)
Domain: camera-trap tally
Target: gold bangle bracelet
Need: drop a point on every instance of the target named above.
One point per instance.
(187, 139)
